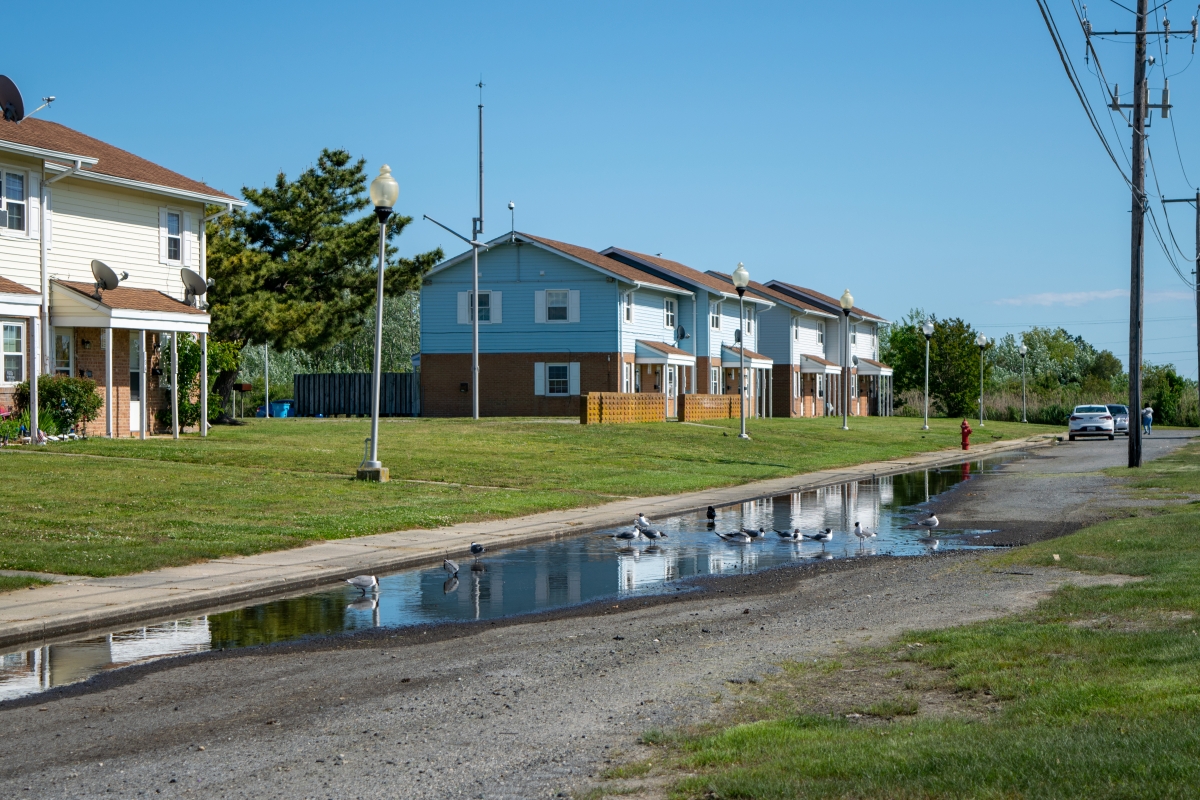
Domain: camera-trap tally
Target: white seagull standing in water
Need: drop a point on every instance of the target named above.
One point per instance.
(364, 582)
(451, 567)
(642, 521)
(862, 533)
(820, 536)
(929, 523)
(628, 535)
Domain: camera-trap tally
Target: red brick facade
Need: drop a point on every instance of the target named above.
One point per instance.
(506, 383)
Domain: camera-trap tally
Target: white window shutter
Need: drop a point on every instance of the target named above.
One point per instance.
(497, 308)
(573, 306)
(47, 201)
(539, 306)
(539, 378)
(33, 191)
(464, 314)
(162, 236)
(185, 237)
(573, 376)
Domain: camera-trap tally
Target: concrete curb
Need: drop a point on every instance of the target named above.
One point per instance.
(75, 606)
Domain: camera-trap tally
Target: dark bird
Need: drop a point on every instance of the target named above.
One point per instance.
(820, 536)
(792, 536)
(477, 549)
(755, 534)
(627, 535)
(653, 533)
(711, 514)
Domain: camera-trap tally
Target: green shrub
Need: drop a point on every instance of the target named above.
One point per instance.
(63, 402)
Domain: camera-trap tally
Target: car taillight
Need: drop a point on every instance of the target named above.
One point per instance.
(1074, 418)
(1106, 418)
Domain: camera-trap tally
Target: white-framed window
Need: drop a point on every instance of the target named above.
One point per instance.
(629, 306)
(668, 313)
(12, 344)
(174, 236)
(795, 329)
(557, 305)
(820, 333)
(626, 377)
(485, 307)
(15, 199)
(749, 321)
(714, 316)
(854, 333)
(796, 386)
(558, 379)
(174, 229)
(714, 380)
(820, 385)
(64, 351)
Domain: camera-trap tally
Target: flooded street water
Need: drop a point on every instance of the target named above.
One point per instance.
(536, 577)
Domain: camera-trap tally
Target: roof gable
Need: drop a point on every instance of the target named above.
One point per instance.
(821, 300)
(12, 287)
(778, 296)
(131, 299)
(677, 271)
(111, 161)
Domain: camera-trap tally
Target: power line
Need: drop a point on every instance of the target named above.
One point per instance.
(1085, 322)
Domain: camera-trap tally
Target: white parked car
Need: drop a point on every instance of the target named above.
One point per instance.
(1091, 421)
(1120, 418)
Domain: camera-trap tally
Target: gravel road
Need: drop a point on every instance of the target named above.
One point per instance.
(526, 707)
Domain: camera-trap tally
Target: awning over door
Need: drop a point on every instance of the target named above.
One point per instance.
(73, 305)
(818, 366)
(17, 300)
(651, 352)
(868, 367)
(731, 359)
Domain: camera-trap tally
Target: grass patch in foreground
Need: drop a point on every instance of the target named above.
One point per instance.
(9, 583)
(273, 484)
(1095, 693)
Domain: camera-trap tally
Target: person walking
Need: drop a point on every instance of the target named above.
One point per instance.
(1147, 419)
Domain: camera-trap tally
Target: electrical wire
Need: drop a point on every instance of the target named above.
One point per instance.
(1073, 77)
(1103, 82)
(1190, 284)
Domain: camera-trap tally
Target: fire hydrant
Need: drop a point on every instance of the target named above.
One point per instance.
(966, 435)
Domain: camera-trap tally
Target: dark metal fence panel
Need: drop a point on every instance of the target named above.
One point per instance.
(332, 394)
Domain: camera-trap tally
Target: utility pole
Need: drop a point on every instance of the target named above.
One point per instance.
(1137, 269)
(476, 232)
(1195, 272)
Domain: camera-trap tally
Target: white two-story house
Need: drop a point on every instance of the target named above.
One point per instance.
(66, 200)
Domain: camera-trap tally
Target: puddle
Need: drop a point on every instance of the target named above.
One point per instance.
(535, 577)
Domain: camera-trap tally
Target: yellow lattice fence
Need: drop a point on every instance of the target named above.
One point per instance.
(614, 408)
(698, 407)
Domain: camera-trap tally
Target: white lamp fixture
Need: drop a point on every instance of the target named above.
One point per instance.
(741, 278)
(384, 192)
(927, 329)
(847, 301)
(982, 341)
(1023, 350)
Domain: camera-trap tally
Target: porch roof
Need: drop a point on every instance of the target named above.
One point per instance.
(72, 305)
(651, 352)
(730, 358)
(818, 365)
(868, 367)
(17, 300)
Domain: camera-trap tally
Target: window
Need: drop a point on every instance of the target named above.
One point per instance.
(854, 334)
(558, 377)
(820, 386)
(820, 333)
(63, 341)
(627, 377)
(14, 352)
(14, 200)
(714, 380)
(629, 306)
(796, 387)
(174, 237)
(714, 317)
(557, 301)
(749, 325)
(485, 307)
(668, 313)
(795, 329)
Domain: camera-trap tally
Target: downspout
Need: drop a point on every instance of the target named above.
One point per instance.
(204, 220)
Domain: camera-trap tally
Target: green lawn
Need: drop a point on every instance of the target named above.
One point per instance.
(1096, 693)
(101, 507)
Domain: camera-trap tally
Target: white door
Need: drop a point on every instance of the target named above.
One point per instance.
(135, 383)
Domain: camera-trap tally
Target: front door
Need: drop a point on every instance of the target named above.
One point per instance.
(135, 383)
(672, 390)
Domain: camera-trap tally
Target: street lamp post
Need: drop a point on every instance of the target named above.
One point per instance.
(927, 329)
(847, 301)
(741, 279)
(384, 192)
(982, 341)
(1023, 350)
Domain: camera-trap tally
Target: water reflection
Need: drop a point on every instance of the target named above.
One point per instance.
(537, 577)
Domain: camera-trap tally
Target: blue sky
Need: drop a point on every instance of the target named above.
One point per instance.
(928, 155)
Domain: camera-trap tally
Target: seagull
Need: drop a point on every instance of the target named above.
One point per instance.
(711, 514)
(653, 533)
(820, 536)
(642, 522)
(477, 549)
(627, 535)
(738, 537)
(791, 536)
(364, 582)
(862, 533)
(451, 567)
(929, 522)
(755, 534)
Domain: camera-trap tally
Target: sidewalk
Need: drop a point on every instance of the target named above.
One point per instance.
(76, 605)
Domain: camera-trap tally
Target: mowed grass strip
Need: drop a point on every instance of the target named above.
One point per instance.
(108, 507)
(1095, 693)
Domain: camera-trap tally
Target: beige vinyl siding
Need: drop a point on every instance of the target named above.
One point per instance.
(121, 228)
(807, 344)
(20, 255)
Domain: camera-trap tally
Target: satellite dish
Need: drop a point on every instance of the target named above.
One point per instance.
(106, 279)
(854, 360)
(10, 100)
(681, 334)
(194, 284)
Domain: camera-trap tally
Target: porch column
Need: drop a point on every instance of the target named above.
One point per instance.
(108, 385)
(771, 392)
(174, 385)
(204, 384)
(33, 339)
(144, 400)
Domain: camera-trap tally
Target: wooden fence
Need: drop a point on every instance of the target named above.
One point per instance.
(600, 408)
(331, 394)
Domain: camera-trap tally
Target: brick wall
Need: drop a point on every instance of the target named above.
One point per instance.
(506, 383)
